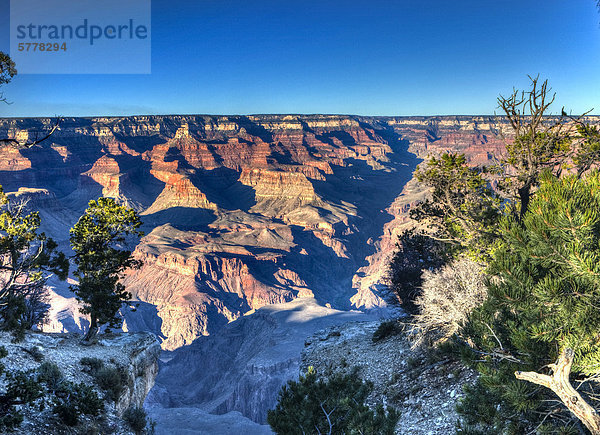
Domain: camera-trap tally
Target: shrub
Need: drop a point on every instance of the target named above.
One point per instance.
(448, 296)
(332, 405)
(416, 252)
(22, 386)
(67, 413)
(72, 400)
(93, 364)
(50, 375)
(21, 389)
(87, 400)
(386, 329)
(135, 418)
(36, 353)
(112, 380)
(10, 418)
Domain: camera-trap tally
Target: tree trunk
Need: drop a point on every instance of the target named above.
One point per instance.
(524, 197)
(560, 384)
(90, 337)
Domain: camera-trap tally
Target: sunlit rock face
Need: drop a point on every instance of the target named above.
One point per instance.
(239, 211)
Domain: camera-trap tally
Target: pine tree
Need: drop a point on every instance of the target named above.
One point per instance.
(334, 405)
(99, 240)
(463, 209)
(416, 251)
(542, 315)
(27, 259)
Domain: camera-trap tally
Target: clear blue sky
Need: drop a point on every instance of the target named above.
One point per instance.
(417, 57)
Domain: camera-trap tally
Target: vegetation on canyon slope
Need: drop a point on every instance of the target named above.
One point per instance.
(334, 404)
(28, 258)
(536, 234)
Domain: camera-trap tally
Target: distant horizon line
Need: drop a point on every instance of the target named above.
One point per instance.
(267, 114)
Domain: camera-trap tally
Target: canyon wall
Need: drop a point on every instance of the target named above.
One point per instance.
(239, 211)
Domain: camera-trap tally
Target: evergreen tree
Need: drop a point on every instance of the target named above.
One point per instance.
(542, 316)
(99, 240)
(538, 143)
(7, 71)
(416, 251)
(335, 405)
(27, 259)
(462, 210)
(587, 153)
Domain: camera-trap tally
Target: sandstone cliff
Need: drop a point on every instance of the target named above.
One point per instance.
(240, 211)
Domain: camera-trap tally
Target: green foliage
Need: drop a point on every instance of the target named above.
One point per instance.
(36, 353)
(112, 380)
(588, 151)
(22, 386)
(67, 413)
(544, 299)
(69, 400)
(332, 405)
(7, 71)
(50, 375)
(136, 419)
(463, 208)
(21, 389)
(416, 251)
(7, 68)
(93, 364)
(386, 329)
(98, 239)
(27, 258)
(541, 143)
(73, 400)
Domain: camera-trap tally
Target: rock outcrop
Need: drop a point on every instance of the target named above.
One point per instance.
(242, 368)
(424, 390)
(137, 354)
(241, 211)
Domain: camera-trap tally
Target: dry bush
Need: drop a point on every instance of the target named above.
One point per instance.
(448, 296)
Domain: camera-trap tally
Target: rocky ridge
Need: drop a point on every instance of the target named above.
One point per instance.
(136, 353)
(241, 211)
(241, 369)
(424, 389)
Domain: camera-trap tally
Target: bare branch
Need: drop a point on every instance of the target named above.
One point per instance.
(28, 144)
(560, 384)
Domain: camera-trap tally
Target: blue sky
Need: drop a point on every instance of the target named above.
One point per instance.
(374, 57)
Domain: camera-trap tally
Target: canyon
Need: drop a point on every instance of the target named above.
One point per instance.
(259, 231)
(240, 211)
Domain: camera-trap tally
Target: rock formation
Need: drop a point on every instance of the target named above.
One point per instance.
(136, 353)
(241, 211)
(242, 368)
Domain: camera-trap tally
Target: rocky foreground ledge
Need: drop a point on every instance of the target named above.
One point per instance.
(423, 387)
(136, 353)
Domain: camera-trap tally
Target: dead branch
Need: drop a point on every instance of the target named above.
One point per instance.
(560, 384)
(28, 144)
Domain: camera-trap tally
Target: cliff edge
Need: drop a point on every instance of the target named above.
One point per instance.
(134, 355)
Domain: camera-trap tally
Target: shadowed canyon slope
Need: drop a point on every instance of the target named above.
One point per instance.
(240, 211)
